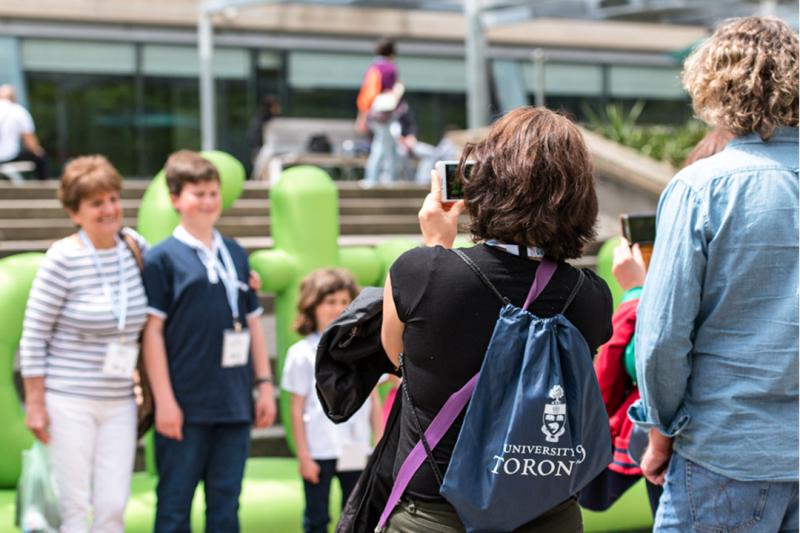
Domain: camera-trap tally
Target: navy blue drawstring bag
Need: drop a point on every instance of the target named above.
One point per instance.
(535, 431)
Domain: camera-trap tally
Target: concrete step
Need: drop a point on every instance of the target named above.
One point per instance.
(135, 189)
(239, 226)
(51, 208)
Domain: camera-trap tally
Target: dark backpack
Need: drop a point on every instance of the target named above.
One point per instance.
(319, 143)
(535, 431)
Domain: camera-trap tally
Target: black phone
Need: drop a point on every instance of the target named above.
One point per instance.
(639, 227)
(451, 186)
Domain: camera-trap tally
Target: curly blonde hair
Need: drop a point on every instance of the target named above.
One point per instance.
(745, 78)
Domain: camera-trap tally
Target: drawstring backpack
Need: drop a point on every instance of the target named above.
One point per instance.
(535, 431)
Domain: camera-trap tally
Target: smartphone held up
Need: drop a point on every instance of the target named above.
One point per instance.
(640, 228)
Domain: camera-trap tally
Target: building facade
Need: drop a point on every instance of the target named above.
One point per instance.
(121, 78)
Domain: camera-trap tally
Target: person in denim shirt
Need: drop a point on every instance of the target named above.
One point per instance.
(717, 332)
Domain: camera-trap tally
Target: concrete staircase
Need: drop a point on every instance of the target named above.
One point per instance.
(31, 217)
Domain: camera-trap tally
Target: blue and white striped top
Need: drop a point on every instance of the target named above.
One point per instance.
(69, 320)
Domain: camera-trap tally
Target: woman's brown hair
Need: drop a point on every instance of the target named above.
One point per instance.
(314, 289)
(532, 184)
(85, 176)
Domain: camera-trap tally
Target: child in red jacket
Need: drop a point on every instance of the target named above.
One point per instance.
(616, 375)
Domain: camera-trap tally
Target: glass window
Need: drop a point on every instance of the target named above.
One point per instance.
(566, 79)
(435, 112)
(269, 60)
(80, 57)
(11, 67)
(171, 119)
(432, 74)
(183, 61)
(509, 84)
(78, 114)
(645, 82)
(309, 70)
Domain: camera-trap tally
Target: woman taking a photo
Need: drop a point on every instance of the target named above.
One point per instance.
(530, 195)
(79, 348)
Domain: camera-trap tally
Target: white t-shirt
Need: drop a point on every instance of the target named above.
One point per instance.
(14, 122)
(324, 437)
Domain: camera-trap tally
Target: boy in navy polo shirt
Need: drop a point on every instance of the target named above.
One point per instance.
(204, 348)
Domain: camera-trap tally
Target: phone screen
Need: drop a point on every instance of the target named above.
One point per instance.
(639, 228)
(453, 185)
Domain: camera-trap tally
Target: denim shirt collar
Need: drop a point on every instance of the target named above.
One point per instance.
(782, 135)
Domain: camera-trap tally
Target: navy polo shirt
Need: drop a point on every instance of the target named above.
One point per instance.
(196, 314)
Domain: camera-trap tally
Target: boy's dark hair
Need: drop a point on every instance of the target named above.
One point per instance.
(186, 166)
(532, 184)
(313, 290)
(385, 47)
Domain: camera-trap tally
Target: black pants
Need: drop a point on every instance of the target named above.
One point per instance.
(315, 516)
(39, 161)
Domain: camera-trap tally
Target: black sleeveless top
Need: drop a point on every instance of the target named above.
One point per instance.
(449, 316)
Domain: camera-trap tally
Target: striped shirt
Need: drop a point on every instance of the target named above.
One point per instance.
(69, 321)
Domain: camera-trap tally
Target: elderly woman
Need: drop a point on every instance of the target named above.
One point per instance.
(79, 348)
(716, 336)
(530, 194)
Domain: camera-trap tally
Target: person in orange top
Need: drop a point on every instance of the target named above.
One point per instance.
(377, 100)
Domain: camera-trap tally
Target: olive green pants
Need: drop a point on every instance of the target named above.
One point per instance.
(416, 516)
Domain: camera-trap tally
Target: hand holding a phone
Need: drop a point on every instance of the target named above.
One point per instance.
(437, 220)
(628, 266)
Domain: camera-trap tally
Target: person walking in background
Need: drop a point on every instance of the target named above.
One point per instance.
(324, 449)
(79, 349)
(18, 140)
(379, 96)
(205, 349)
(717, 330)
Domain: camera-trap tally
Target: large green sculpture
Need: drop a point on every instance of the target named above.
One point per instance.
(305, 231)
(16, 277)
(605, 260)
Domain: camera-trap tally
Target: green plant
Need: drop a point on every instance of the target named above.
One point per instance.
(667, 143)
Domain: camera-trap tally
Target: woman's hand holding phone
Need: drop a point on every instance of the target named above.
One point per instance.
(437, 220)
(628, 266)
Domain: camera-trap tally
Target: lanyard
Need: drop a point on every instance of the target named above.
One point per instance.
(216, 270)
(532, 252)
(119, 307)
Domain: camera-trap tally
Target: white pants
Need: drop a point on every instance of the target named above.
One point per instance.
(92, 449)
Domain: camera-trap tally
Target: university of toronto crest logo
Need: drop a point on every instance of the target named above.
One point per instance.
(554, 417)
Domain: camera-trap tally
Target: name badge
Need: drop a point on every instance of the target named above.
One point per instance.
(235, 348)
(120, 359)
(353, 457)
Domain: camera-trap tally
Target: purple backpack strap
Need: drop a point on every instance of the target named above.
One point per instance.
(436, 430)
(543, 276)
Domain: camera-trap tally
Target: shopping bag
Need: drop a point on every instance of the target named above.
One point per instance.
(37, 497)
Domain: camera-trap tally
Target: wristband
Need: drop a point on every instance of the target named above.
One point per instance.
(262, 380)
